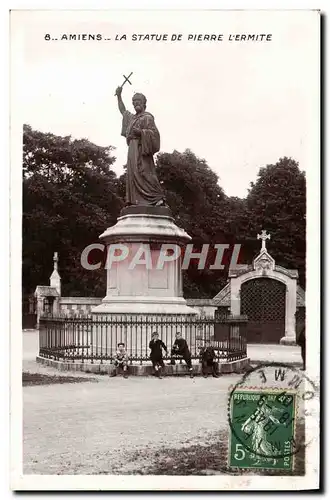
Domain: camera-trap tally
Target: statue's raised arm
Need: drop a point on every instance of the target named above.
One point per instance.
(121, 104)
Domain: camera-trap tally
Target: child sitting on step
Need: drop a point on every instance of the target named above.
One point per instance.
(156, 347)
(121, 360)
(207, 358)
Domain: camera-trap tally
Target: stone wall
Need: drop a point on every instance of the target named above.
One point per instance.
(83, 305)
(206, 307)
(78, 305)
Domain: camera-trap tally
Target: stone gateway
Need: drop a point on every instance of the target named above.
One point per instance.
(268, 295)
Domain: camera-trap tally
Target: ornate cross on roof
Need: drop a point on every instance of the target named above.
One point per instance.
(263, 237)
(55, 259)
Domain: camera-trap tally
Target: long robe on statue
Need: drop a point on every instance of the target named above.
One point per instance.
(142, 184)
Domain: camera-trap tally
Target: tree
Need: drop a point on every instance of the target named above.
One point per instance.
(192, 192)
(277, 202)
(197, 203)
(69, 198)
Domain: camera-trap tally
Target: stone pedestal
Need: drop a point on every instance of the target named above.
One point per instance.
(144, 283)
(144, 265)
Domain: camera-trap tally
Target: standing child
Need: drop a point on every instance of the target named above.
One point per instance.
(121, 359)
(207, 357)
(156, 355)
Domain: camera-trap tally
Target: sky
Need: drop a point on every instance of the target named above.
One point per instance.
(239, 105)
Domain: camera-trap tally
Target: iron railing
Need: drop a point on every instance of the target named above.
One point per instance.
(95, 338)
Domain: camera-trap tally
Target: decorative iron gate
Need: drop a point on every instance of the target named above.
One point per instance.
(263, 301)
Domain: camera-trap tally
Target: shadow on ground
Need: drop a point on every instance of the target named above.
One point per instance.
(210, 460)
(40, 379)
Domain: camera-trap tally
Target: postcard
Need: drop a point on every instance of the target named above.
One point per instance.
(165, 176)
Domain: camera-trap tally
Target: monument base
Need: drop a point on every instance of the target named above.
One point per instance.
(144, 305)
(144, 264)
(143, 370)
(144, 283)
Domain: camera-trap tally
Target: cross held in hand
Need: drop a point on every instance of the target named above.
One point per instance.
(127, 79)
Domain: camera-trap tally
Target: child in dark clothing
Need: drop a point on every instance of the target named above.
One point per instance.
(207, 356)
(156, 355)
(180, 348)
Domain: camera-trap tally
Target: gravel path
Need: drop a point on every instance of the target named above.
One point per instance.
(100, 428)
(93, 428)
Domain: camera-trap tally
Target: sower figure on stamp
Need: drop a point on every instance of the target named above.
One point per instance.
(207, 358)
(156, 345)
(143, 140)
(180, 348)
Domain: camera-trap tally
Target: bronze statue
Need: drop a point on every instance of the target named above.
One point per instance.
(143, 140)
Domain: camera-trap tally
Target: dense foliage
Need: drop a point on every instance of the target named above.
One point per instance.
(69, 198)
(71, 194)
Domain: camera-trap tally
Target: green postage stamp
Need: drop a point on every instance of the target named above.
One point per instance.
(262, 429)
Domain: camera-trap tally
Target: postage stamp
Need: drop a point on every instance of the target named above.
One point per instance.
(262, 429)
(266, 414)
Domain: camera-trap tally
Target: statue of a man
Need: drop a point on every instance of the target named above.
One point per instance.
(143, 140)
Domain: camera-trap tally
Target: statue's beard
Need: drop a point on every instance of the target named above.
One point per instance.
(139, 109)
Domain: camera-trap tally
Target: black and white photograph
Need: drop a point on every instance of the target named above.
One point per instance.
(165, 226)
